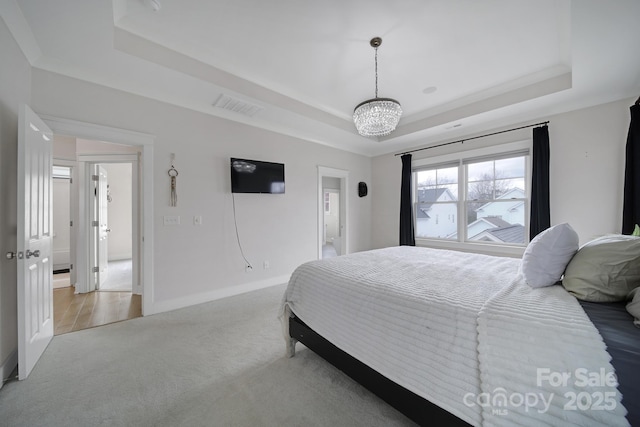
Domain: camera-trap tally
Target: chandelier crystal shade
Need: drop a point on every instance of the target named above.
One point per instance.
(377, 116)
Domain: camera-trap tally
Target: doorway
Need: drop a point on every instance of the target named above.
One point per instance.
(331, 244)
(108, 193)
(332, 212)
(113, 243)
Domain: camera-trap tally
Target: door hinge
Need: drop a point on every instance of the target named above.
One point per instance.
(96, 269)
(95, 178)
(70, 180)
(70, 223)
(70, 266)
(95, 223)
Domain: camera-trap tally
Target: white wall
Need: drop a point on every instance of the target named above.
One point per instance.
(193, 263)
(119, 222)
(586, 172)
(15, 89)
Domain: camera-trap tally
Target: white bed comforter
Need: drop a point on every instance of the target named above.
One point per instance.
(433, 321)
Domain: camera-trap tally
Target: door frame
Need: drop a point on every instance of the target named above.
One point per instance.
(146, 142)
(87, 168)
(73, 207)
(343, 175)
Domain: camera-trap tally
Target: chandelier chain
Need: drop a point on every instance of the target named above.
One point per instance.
(376, 56)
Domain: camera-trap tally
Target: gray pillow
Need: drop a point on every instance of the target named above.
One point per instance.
(633, 306)
(605, 269)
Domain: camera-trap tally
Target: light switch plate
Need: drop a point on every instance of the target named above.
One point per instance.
(171, 220)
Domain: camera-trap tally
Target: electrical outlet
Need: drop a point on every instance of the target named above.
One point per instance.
(171, 220)
(266, 265)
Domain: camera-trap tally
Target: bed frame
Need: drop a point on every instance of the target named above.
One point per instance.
(410, 404)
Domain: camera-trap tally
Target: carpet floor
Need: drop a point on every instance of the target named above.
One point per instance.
(215, 364)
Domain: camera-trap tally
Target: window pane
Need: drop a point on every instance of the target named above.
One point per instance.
(436, 220)
(427, 178)
(510, 168)
(500, 221)
(436, 203)
(480, 171)
(447, 176)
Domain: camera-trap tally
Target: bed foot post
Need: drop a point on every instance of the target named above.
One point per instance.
(291, 347)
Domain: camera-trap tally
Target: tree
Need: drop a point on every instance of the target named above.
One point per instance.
(487, 188)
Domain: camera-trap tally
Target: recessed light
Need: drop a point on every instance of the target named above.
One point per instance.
(429, 90)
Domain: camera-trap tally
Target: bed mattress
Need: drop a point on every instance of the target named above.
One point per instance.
(453, 327)
(416, 329)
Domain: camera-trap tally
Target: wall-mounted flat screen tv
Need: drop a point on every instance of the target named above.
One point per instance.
(254, 176)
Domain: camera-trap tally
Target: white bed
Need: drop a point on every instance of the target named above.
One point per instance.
(454, 329)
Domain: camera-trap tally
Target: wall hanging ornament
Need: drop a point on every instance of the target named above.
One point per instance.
(173, 173)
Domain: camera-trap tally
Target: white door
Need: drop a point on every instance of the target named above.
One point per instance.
(102, 229)
(35, 243)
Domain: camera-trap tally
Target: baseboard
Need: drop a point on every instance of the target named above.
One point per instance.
(120, 256)
(176, 303)
(9, 365)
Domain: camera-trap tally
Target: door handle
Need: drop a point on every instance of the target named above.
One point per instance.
(12, 255)
(35, 254)
(108, 230)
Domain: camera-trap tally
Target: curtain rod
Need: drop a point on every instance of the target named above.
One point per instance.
(462, 141)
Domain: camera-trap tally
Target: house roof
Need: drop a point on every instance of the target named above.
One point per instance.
(495, 221)
(300, 68)
(512, 193)
(430, 195)
(511, 234)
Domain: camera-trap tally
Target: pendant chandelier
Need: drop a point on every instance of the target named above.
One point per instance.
(377, 116)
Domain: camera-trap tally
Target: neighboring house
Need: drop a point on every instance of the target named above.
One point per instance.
(433, 217)
(510, 234)
(513, 212)
(480, 225)
(498, 221)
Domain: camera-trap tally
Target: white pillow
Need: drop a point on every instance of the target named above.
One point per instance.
(548, 254)
(633, 306)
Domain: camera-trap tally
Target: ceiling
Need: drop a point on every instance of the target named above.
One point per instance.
(300, 67)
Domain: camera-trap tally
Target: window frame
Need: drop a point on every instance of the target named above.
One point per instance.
(461, 159)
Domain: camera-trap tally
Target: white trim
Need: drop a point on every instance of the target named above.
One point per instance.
(98, 132)
(8, 366)
(475, 153)
(476, 247)
(146, 214)
(344, 206)
(108, 158)
(190, 300)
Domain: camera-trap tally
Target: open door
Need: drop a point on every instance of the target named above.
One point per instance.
(35, 242)
(102, 227)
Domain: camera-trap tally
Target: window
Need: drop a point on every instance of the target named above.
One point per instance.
(327, 202)
(436, 197)
(488, 194)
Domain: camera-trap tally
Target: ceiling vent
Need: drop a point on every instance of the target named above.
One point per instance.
(230, 103)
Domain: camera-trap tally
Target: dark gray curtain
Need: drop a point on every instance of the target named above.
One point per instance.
(406, 206)
(631, 207)
(540, 211)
